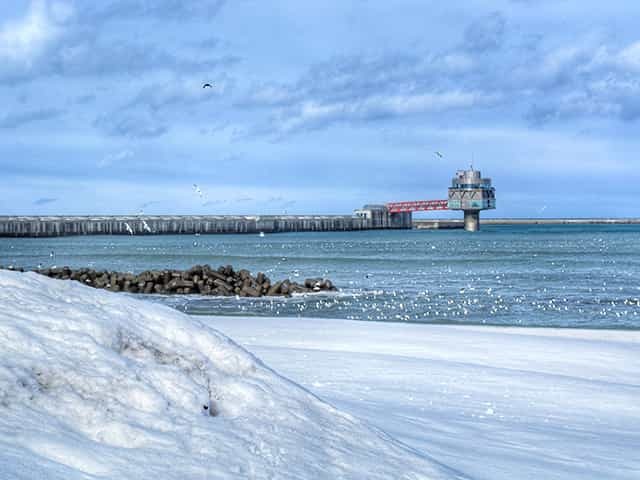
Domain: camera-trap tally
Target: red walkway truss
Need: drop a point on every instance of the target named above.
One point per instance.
(417, 206)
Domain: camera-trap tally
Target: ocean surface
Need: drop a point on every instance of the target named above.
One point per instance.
(557, 275)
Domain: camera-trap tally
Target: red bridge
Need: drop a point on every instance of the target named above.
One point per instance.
(417, 206)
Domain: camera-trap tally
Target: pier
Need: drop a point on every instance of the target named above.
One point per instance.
(368, 218)
(468, 192)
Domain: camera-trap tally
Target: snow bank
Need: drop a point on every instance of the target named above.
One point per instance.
(494, 403)
(95, 384)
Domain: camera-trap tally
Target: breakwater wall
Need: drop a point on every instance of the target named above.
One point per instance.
(440, 224)
(561, 221)
(50, 226)
(200, 279)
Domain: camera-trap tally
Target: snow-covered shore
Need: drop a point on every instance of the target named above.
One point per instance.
(96, 384)
(99, 385)
(495, 403)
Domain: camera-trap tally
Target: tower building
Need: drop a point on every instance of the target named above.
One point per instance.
(471, 193)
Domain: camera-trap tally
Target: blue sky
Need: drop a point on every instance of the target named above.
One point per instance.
(317, 107)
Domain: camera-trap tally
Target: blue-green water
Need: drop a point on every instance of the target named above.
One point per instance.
(567, 276)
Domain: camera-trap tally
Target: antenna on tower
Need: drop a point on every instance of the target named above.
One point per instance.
(471, 161)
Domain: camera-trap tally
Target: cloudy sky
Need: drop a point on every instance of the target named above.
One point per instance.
(317, 106)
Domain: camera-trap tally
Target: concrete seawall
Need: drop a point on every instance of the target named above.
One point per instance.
(182, 224)
(59, 226)
(561, 221)
(439, 224)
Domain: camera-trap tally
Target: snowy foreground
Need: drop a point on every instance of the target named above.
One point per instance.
(99, 385)
(494, 403)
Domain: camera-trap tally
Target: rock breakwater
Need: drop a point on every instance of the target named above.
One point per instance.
(200, 279)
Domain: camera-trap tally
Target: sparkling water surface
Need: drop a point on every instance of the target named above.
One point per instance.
(564, 276)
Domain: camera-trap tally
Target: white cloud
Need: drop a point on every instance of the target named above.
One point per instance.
(630, 56)
(115, 158)
(314, 113)
(23, 40)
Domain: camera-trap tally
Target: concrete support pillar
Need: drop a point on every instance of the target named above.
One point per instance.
(472, 220)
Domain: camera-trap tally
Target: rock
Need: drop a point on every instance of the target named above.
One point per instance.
(250, 291)
(198, 279)
(223, 285)
(218, 276)
(275, 289)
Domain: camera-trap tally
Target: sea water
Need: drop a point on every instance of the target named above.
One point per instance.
(561, 276)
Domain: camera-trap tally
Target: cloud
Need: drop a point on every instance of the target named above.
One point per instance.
(146, 114)
(586, 81)
(280, 202)
(171, 10)
(210, 203)
(311, 114)
(117, 157)
(84, 99)
(362, 89)
(25, 43)
(57, 37)
(180, 91)
(45, 200)
(244, 198)
(131, 124)
(15, 120)
(492, 71)
(485, 33)
(24, 39)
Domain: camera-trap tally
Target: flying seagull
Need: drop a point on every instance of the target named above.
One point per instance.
(439, 154)
(207, 85)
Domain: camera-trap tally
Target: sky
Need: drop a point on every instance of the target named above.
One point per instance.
(318, 106)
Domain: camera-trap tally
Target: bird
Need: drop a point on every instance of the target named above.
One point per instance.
(207, 85)
(439, 154)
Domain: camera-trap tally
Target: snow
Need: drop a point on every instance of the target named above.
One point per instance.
(491, 402)
(96, 384)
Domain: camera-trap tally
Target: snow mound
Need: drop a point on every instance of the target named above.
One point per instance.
(99, 385)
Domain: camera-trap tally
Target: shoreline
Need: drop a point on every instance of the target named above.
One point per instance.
(590, 333)
(479, 326)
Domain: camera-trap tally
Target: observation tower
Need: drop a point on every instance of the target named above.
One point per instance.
(471, 193)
